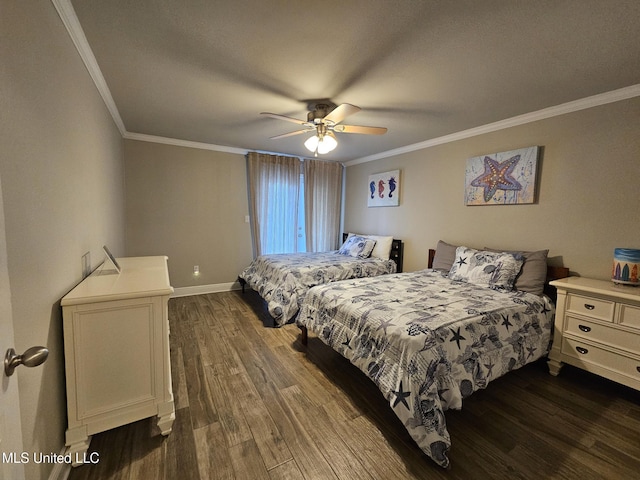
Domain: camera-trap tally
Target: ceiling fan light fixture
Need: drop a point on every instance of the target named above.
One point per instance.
(321, 144)
(312, 143)
(324, 120)
(327, 143)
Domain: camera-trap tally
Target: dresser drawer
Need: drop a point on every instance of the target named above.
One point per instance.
(629, 316)
(583, 352)
(591, 307)
(603, 334)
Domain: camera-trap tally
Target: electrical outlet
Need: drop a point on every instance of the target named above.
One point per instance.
(196, 270)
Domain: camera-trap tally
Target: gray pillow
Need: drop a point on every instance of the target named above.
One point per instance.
(533, 275)
(444, 257)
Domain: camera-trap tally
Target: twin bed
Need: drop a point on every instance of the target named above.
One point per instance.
(283, 280)
(429, 339)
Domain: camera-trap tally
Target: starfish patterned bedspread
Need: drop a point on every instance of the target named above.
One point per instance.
(428, 342)
(284, 279)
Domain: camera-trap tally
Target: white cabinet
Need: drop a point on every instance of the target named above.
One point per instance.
(597, 328)
(116, 344)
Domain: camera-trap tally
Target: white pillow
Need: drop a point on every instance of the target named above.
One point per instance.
(382, 249)
(497, 270)
(357, 246)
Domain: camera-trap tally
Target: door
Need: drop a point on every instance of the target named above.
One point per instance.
(10, 429)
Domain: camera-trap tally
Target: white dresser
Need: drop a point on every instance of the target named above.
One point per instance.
(597, 328)
(116, 345)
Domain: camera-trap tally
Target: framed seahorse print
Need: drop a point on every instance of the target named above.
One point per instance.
(383, 189)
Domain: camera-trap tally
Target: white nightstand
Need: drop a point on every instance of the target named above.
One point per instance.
(597, 328)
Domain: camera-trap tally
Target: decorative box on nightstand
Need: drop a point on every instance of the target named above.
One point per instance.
(597, 328)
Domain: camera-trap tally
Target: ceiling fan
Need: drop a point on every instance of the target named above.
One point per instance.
(324, 120)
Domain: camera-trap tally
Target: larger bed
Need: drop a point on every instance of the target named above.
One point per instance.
(429, 339)
(283, 280)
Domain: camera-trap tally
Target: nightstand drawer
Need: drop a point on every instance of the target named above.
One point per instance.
(583, 352)
(603, 334)
(591, 307)
(629, 315)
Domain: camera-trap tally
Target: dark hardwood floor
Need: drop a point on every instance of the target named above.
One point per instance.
(253, 403)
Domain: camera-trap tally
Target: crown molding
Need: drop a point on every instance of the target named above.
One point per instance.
(143, 137)
(569, 107)
(72, 24)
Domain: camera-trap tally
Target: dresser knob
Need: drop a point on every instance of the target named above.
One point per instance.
(582, 351)
(584, 328)
(638, 368)
(589, 307)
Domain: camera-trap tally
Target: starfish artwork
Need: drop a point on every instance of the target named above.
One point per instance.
(497, 176)
(502, 178)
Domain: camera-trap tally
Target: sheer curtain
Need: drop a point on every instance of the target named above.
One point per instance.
(322, 197)
(274, 183)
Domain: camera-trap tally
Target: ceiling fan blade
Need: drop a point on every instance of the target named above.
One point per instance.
(341, 112)
(290, 134)
(284, 117)
(360, 129)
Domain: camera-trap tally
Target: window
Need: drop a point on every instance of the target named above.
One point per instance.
(294, 205)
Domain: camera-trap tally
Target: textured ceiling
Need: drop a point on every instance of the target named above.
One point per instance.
(203, 70)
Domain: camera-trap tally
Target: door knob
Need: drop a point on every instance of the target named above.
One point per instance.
(32, 357)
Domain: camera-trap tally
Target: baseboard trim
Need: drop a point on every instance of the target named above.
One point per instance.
(204, 289)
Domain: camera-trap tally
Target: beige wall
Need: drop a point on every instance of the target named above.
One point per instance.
(62, 182)
(589, 192)
(190, 205)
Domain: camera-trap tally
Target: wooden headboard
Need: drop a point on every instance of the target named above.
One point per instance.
(553, 273)
(397, 251)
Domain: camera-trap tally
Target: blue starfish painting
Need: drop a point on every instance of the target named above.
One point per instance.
(497, 176)
(502, 178)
